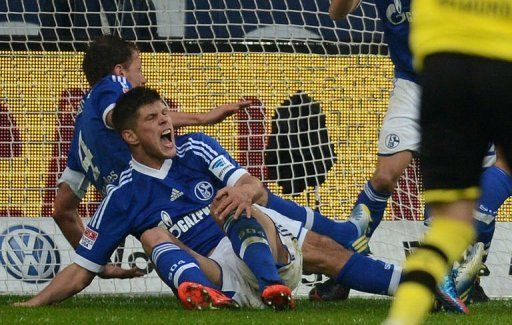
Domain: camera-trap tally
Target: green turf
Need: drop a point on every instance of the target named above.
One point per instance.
(166, 310)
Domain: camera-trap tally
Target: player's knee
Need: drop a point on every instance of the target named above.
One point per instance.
(154, 236)
(243, 227)
(385, 180)
(327, 256)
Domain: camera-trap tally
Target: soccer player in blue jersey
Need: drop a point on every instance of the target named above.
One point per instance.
(254, 257)
(97, 154)
(399, 136)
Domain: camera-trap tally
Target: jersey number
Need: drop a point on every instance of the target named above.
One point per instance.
(86, 158)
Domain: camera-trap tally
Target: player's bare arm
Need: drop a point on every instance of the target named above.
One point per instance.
(339, 9)
(65, 214)
(216, 115)
(67, 283)
(239, 198)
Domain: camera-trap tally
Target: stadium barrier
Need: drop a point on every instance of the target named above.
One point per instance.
(33, 250)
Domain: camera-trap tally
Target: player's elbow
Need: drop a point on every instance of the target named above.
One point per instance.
(62, 217)
(338, 14)
(340, 9)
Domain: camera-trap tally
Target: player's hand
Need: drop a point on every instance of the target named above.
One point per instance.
(220, 113)
(234, 200)
(116, 272)
(27, 303)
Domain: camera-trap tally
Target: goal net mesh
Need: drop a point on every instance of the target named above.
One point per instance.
(318, 91)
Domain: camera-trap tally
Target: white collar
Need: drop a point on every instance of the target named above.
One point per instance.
(157, 173)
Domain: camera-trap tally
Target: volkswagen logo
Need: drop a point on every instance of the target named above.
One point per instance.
(29, 254)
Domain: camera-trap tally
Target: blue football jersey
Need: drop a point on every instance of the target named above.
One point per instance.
(396, 16)
(176, 197)
(96, 150)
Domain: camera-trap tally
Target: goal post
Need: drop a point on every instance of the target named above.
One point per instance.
(322, 85)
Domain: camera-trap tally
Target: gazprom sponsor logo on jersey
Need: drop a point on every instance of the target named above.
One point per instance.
(220, 166)
(392, 141)
(88, 238)
(395, 14)
(203, 191)
(185, 223)
(29, 254)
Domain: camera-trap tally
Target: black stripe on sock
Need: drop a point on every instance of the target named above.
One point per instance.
(421, 277)
(436, 250)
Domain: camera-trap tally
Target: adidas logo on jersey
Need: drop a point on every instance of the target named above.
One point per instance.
(175, 194)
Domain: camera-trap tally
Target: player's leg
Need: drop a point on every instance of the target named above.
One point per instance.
(254, 241)
(322, 255)
(496, 187)
(344, 233)
(194, 279)
(378, 189)
(399, 137)
(503, 140)
(241, 282)
(454, 142)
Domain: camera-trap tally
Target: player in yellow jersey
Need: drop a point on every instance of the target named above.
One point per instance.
(463, 50)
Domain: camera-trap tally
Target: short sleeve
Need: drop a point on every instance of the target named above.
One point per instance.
(104, 232)
(76, 180)
(107, 102)
(108, 94)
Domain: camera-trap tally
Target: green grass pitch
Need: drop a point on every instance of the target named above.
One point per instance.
(166, 310)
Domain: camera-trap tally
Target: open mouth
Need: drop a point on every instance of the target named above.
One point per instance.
(166, 137)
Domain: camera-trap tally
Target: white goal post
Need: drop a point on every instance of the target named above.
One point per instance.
(318, 90)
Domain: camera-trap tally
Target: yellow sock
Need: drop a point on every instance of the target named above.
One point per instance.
(444, 242)
(412, 302)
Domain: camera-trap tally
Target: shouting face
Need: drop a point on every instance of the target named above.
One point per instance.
(153, 135)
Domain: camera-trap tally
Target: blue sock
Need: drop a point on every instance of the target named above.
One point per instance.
(365, 274)
(176, 266)
(344, 233)
(250, 243)
(290, 209)
(496, 187)
(376, 202)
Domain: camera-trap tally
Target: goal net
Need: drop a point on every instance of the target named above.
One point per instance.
(318, 91)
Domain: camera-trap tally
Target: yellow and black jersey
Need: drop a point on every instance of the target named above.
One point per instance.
(474, 27)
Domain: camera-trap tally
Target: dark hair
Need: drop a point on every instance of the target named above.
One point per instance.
(125, 112)
(104, 54)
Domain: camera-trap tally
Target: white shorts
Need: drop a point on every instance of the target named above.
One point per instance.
(400, 128)
(238, 279)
